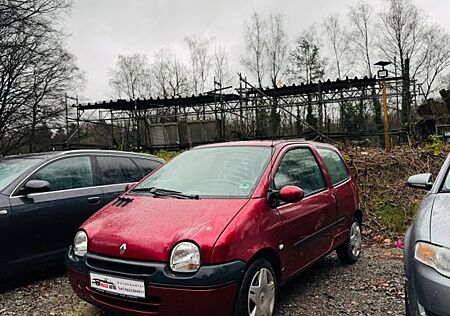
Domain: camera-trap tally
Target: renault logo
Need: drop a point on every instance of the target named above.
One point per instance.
(123, 248)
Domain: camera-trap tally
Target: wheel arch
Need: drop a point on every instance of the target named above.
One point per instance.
(359, 215)
(272, 257)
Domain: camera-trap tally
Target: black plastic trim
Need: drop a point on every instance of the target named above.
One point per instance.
(160, 274)
(319, 233)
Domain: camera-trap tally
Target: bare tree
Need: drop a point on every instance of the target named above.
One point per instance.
(404, 29)
(131, 77)
(340, 44)
(437, 58)
(276, 49)
(200, 57)
(20, 15)
(361, 35)
(171, 76)
(54, 74)
(255, 45)
(221, 67)
(28, 30)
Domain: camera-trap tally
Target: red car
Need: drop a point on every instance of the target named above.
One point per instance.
(217, 230)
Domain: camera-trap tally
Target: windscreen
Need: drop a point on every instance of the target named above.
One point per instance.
(212, 172)
(10, 169)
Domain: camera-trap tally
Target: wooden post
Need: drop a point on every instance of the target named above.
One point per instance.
(387, 137)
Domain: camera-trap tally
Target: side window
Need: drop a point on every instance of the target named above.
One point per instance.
(147, 165)
(115, 170)
(68, 173)
(336, 167)
(299, 167)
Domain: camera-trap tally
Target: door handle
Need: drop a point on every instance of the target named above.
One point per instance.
(4, 212)
(94, 200)
(335, 198)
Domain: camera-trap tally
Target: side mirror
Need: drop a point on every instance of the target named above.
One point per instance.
(291, 194)
(421, 181)
(36, 186)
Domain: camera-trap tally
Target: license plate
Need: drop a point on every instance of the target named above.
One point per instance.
(119, 286)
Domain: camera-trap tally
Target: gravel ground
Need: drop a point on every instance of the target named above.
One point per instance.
(373, 286)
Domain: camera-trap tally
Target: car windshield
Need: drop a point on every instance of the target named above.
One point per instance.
(211, 172)
(10, 169)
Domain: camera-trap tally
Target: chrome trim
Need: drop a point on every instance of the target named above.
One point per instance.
(68, 190)
(3, 212)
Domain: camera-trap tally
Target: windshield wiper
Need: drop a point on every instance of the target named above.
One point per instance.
(166, 192)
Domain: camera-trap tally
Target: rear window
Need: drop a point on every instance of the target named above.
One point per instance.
(115, 170)
(147, 165)
(336, 167)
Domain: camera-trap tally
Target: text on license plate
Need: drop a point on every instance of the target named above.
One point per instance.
(120, 286)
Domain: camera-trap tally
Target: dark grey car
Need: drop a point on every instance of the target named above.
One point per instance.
(45, 197)
(427, 248)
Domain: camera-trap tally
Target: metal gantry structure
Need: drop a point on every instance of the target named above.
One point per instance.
(246, 112)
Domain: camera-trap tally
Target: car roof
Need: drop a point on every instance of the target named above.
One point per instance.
(268, 143)
(54, 154)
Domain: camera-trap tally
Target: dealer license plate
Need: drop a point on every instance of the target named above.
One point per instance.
(119, 286)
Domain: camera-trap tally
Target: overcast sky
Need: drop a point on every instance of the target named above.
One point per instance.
(100, 30)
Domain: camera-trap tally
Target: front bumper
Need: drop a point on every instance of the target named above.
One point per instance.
(432, 290)
(209, 291)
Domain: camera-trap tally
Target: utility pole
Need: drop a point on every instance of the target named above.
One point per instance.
(387, 137)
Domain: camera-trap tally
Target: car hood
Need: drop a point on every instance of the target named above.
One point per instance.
(151, 226)
(440, 220)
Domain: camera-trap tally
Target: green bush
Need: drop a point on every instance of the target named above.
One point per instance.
(435, 144)
(167, 155)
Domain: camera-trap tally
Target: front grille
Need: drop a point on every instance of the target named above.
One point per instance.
(120, 266)
(150, 305)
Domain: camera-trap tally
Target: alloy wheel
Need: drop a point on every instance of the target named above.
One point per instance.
(355, 239)
(261, 295)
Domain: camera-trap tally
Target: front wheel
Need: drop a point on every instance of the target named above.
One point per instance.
(350, 251)
(258, 290)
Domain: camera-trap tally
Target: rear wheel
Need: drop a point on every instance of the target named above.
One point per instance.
(350, 251)
(258, 290)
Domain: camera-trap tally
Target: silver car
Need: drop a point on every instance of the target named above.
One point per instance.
(427, 248)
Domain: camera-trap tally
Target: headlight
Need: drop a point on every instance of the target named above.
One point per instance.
(185, 257)
(434, 256)
(80, 244)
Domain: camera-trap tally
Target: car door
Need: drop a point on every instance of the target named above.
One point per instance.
(5, 231)
(46, 222)
(306, 223)
(113, 173)
(344, 190)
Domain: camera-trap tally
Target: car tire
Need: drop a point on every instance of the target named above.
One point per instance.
(260, 280)
(350, 251)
